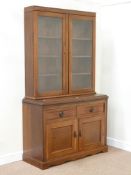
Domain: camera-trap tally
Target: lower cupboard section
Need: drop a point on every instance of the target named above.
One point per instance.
(57, 133)
(64, 137)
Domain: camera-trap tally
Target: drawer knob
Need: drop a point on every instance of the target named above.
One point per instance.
(61, 114)
(93, 110)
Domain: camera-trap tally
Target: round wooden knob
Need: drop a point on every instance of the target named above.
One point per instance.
(61, 114)
(92, 110)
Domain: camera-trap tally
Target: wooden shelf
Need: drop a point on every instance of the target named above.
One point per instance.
(48, 75)
(55, 56)
(48, 37)
(82, 56)
(81, 73)
(83, 39)
(49, 56)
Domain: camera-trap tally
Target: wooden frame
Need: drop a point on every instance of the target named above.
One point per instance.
(81, 91)
(64, 57)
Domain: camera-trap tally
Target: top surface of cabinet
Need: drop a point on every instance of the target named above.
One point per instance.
(67, 11)
(59, 52)
(66, 100)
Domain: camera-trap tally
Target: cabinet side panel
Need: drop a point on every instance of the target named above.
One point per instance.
(106, 104)
(33, 131)
(29, 62)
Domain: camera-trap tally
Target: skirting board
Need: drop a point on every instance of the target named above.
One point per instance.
(11, 157)
(119, 144)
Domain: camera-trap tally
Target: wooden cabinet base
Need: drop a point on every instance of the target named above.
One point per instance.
(45, 165)
(58, 130)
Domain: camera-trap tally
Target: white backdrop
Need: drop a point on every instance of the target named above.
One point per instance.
(114, 57)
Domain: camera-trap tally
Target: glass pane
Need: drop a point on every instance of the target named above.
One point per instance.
(82, 29)
(49, 54)
(81, 54)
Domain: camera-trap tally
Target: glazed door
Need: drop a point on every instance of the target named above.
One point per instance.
(81, 54)
(61, 138)
(51, 58)
(91, 133)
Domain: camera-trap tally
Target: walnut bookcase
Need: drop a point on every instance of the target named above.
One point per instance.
(63, 118)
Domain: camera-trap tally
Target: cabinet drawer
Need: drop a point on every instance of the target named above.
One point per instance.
(90, 109)
(60, 112)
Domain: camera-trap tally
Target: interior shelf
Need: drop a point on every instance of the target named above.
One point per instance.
(81, 73)
(49, 37)
(57, 56)
(48, 56)
(83, 39)
(82, 56)
(48, 75)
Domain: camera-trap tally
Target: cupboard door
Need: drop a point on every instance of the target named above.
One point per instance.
(91, 133)
(81, 57)
(51, 53)
(61, 138)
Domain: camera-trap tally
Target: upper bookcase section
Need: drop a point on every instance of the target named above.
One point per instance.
(59, 52)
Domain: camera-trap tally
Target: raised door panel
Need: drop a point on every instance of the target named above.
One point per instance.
(51, 60)
(61, 138)
(91, 133)
(82, 53)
